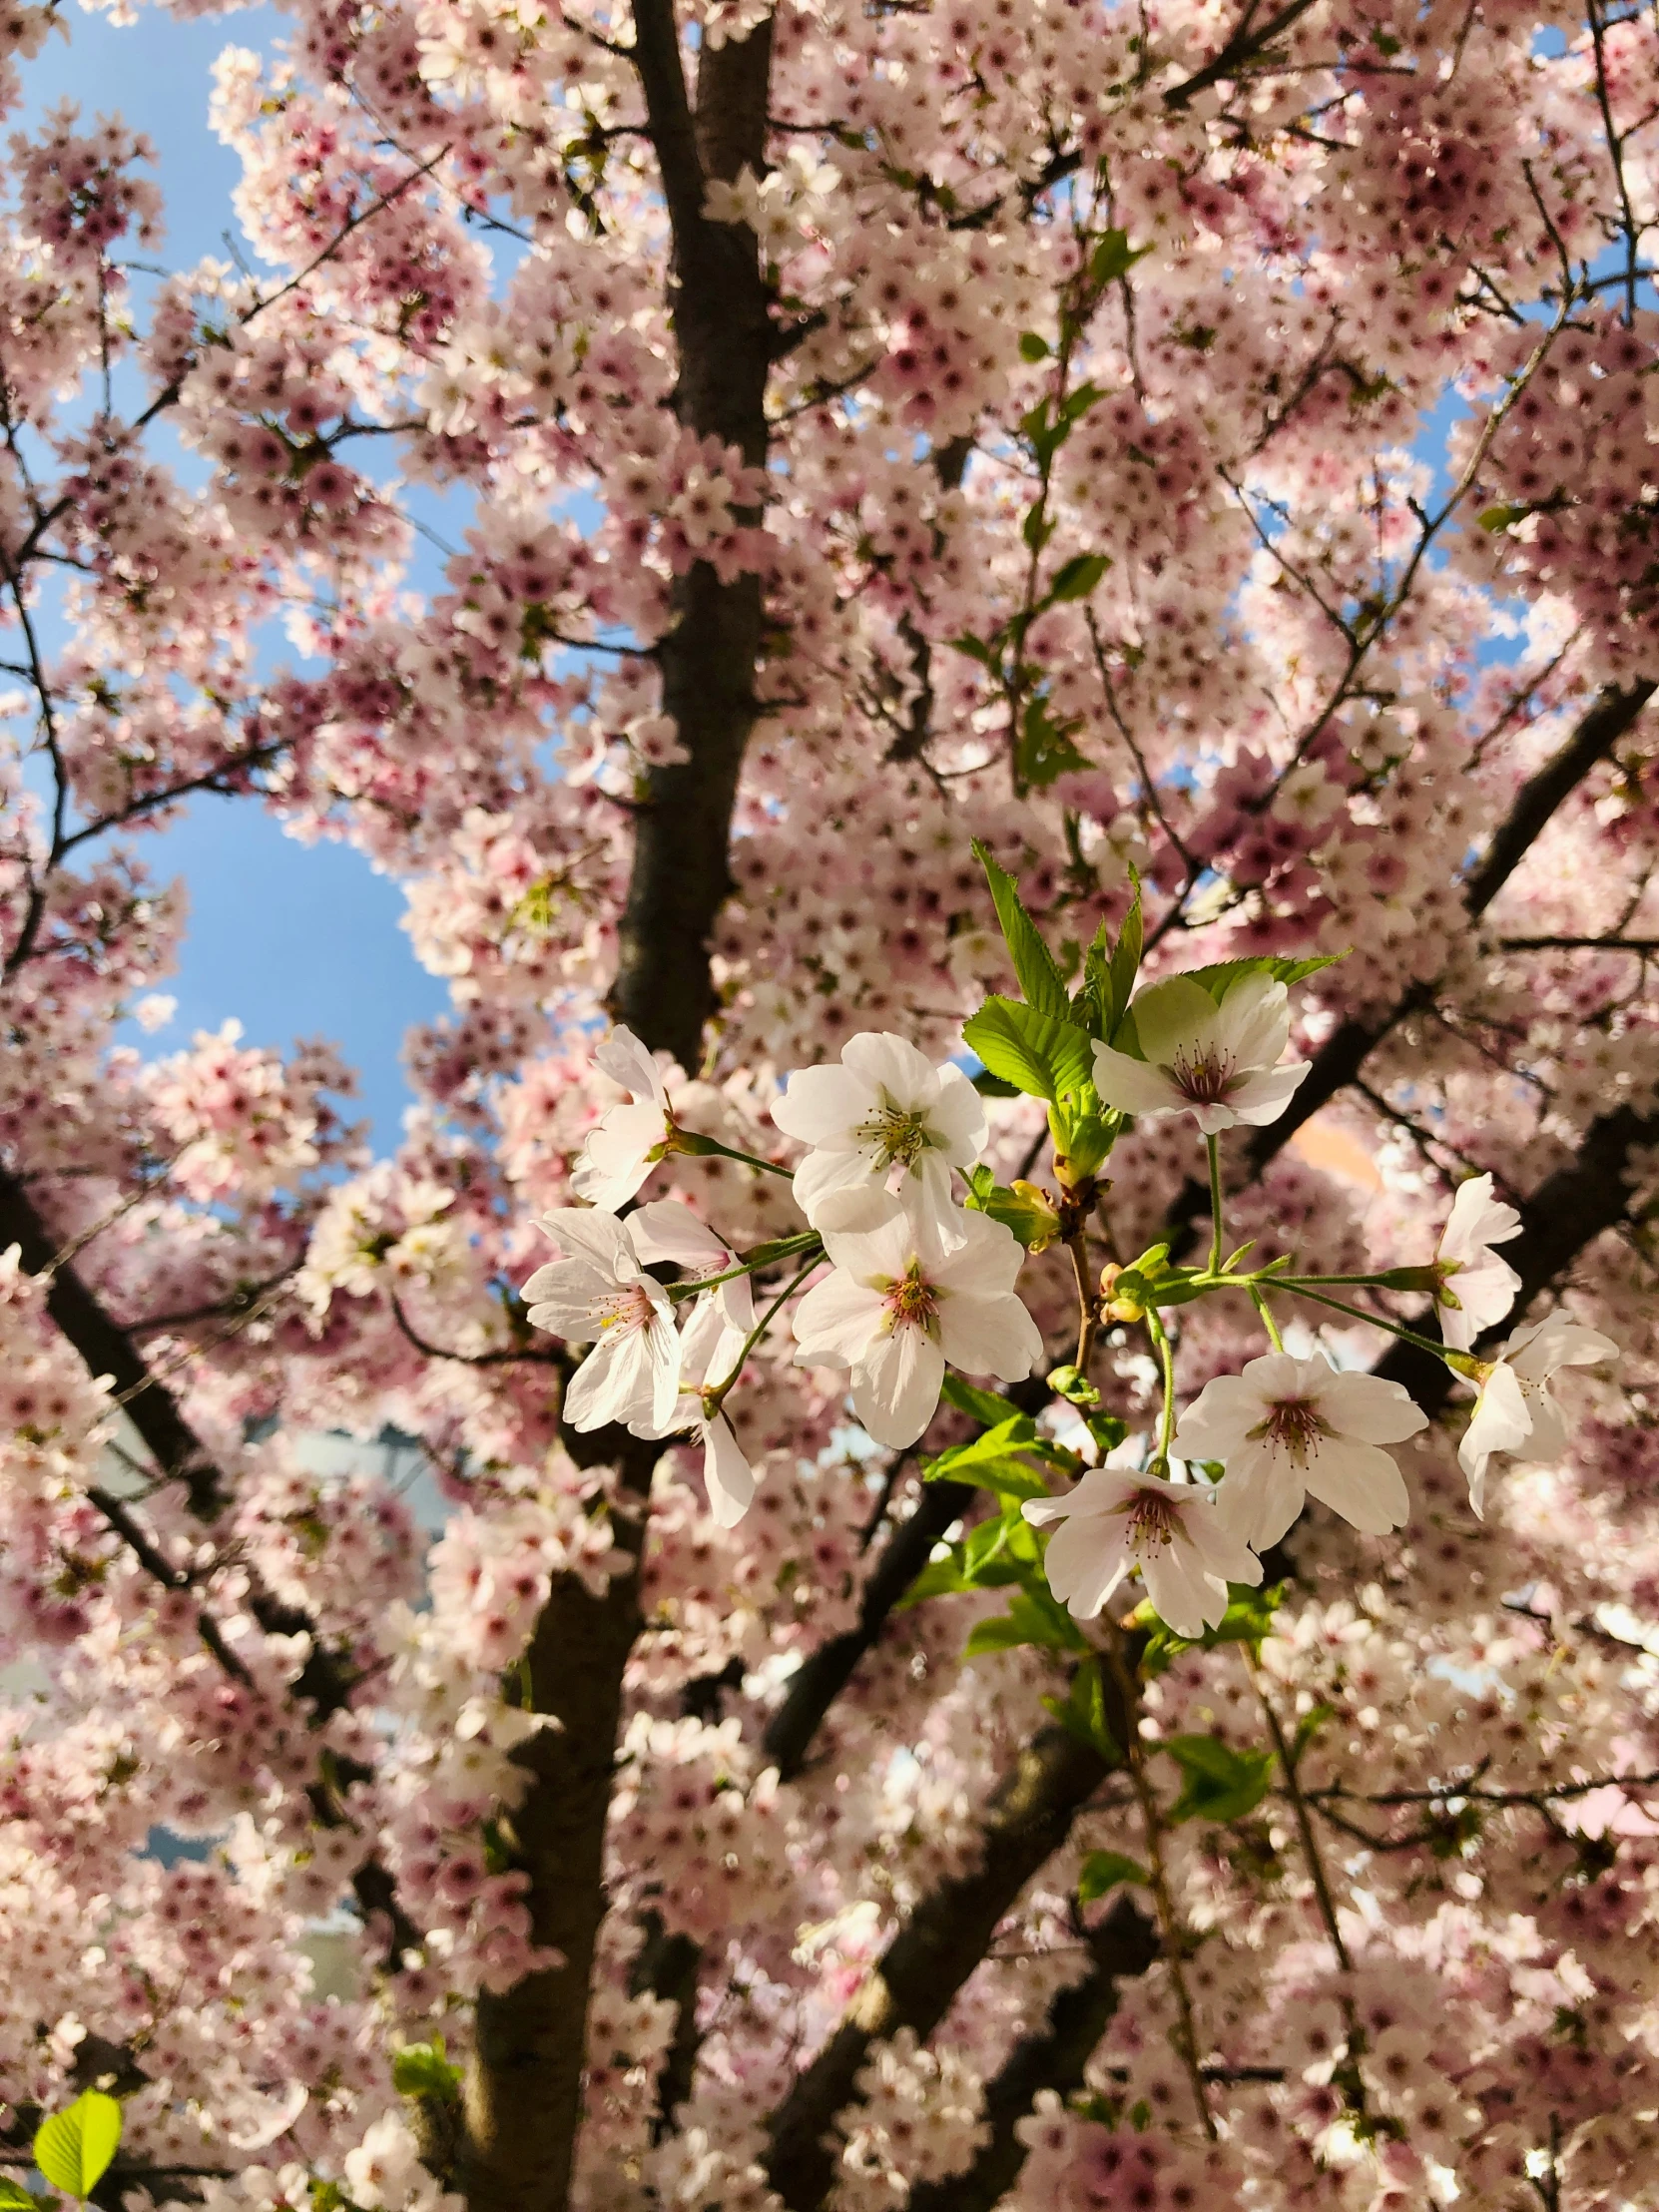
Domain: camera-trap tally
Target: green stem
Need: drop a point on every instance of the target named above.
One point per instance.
(1215, 1204)
(714, 1399)
(687, 1141)
(1390, 1279)
(1268, 1321)
(1371, 1321)
(766, 1257)
(1166, 1416)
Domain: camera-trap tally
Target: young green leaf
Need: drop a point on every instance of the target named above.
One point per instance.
(1083, 1711)
(423, 2070)
(1126, 957)
(1103, 1871)
(15, 2198)
(1246, 1620)
(1046, 1057)
(1076, 578)
(985, 1406)
(73, 2148)
(1219, 978)
(1114, 257)
(1219, 1783)
(1039, 977)
(1032, 1618)
(1033, 347)
(1045, 750)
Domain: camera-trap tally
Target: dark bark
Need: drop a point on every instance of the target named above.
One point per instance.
(1124, 1942)
(928, 1961)
(522, 2094)
(106, 1349)
(523, 2089)
(724, 333)
(1339, 1060)
(826, 1672)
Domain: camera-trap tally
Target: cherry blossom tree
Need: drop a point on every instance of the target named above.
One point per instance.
(1006, 654)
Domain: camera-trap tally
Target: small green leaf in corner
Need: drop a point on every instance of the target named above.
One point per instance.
(73, 2148)
(15, 2198)
(1105, 1869)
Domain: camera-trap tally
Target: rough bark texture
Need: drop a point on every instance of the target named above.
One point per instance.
(725, 341)
(1124, 1942)
(106, 1349)
(930, 1957)
(524, 2084)
(826, 1672)
(1340, 1058)
(523, 2087)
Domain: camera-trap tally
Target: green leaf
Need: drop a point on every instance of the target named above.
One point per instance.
(1501, 518)
(976, 649)
(1037, 529)
(1076, 578)
(1103, 1871)
(1033, 346)
(985, 1406)
(992, 1086)
(1032, 1617)
(1219, 1783)
(1039, 977)
(74, 2147)
(1045, 750)
(1248, 1620)
(939, 1578)
(988, 1455)
(15, 2198)
(423, 2070)
(1033, 1218)
(1044, 1056)
(1083, 1711)
(1114, 257)
(1219, 978)
(1126, 956)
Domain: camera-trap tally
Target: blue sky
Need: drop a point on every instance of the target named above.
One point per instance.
(290, 939)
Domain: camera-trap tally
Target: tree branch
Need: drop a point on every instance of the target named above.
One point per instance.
(1121, 1944)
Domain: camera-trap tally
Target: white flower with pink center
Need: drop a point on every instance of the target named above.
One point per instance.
(711, 1341)
(885, 1119)
(631, 1138)
(902, 1302)
(600, 1295)
(1516, 1413)
(1217, 1062)
(1117, 1523)
(1478, 1287)
(1288, 1430)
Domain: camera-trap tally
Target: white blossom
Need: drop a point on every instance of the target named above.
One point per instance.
(1288, 1428)
(1117, 1521)
(600, 1295)
(903, 1300)
(712, 1339)
(885, 1119)
(383, 2164)
(1217, 1062)
(1479, 1288)
(630, 1139)
(1516, 1413)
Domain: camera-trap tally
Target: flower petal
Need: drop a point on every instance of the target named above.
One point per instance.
(896, 1388)
(891, 1065)
(727, 1476)
(989, 1336)
(837, 1321)
(1132, 1087)
(822, 1106)
(1368, 1408)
